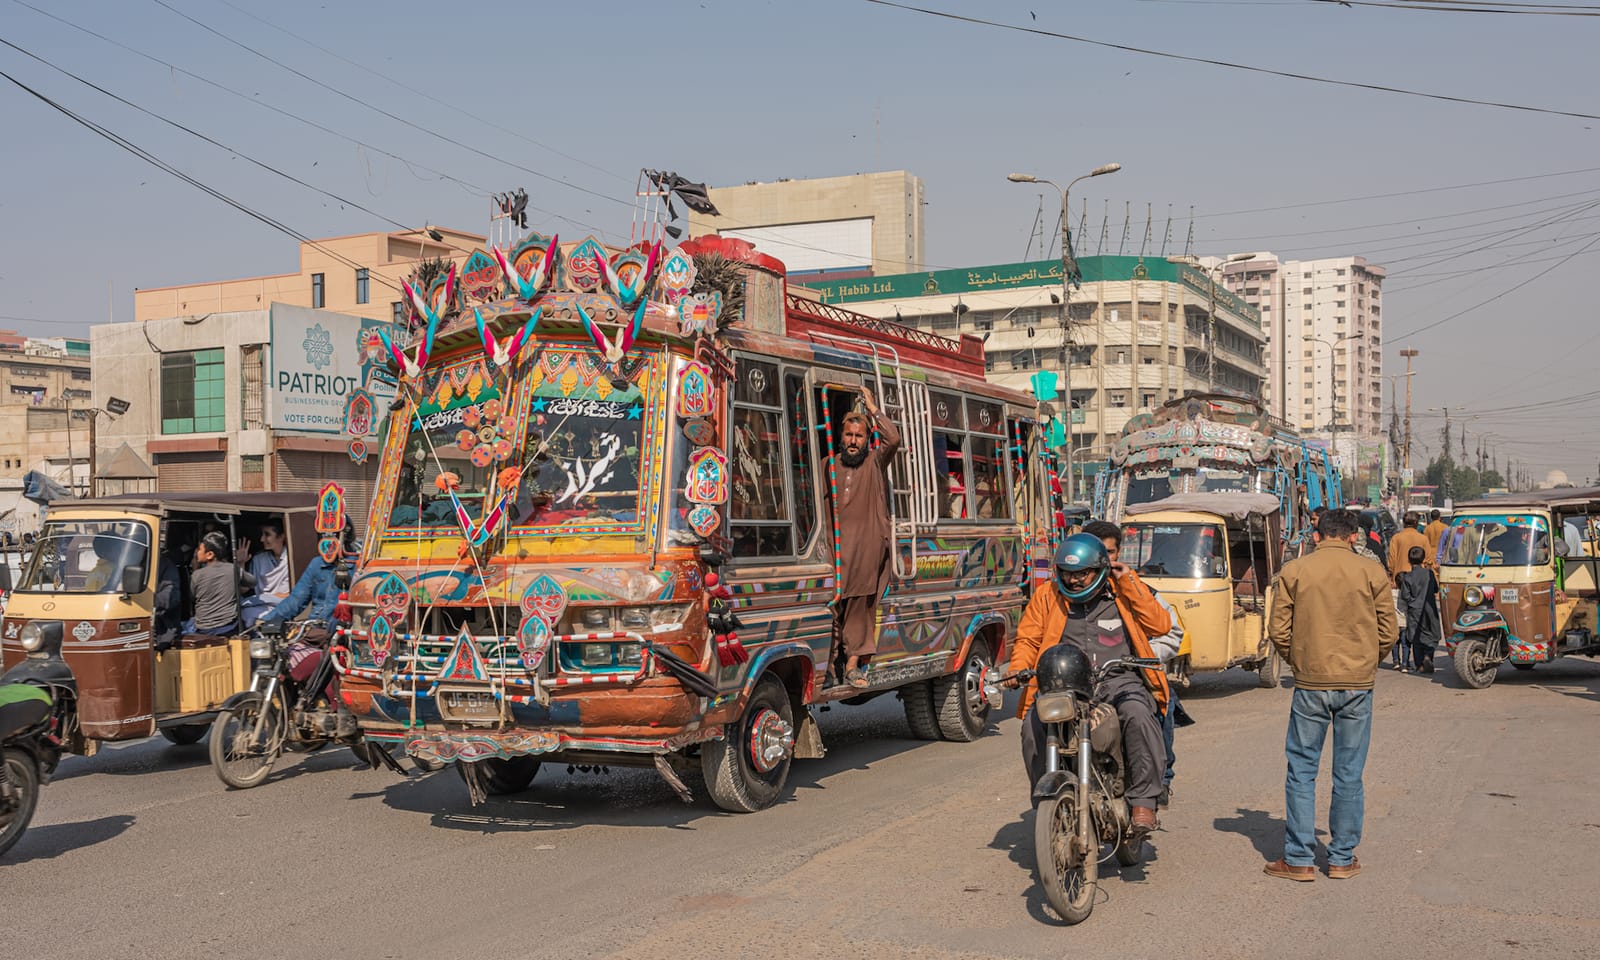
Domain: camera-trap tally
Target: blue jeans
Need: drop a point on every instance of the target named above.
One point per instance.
(1349, 712)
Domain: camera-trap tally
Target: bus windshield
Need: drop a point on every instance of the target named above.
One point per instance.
(85, 556)
(574, 433)
(1186, 550)
(1495, 540)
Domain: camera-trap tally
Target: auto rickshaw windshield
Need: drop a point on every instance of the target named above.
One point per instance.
(1495, 540)
(1185, 550)
(85, 556)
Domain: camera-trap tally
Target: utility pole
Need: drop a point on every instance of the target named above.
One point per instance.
(1409, 354)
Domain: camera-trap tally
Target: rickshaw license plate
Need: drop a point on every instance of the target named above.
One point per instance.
(468, 705)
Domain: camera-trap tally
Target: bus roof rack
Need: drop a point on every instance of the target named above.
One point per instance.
(823, 322)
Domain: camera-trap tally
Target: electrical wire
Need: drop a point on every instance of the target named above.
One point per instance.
(1146, 51)
(197, 134)
(168, 168)
(393, 116)
(1438, 7)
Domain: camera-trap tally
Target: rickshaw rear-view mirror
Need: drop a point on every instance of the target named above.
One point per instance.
(133, 577)
(1562, 550)
(5, 575)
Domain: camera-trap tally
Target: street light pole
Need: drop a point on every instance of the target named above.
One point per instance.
(1069, 266)
(1333, 403)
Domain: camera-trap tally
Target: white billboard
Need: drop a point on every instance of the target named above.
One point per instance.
(827, 245)
(318, 359)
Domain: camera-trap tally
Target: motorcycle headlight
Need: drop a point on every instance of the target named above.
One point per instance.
(260, 648)
(1473, 596)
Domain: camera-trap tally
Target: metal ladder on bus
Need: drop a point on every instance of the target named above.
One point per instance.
(912, 499)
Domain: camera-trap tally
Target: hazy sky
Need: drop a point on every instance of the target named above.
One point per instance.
(734, 90)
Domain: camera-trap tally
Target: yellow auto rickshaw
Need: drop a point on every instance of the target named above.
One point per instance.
(1213, 557)
(1520, 581)
(86, 597)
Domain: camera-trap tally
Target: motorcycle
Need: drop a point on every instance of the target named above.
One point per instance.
(37, 720)
(279, 713)
(1080, 797)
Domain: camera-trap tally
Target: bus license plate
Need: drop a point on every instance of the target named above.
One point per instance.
(468, 705)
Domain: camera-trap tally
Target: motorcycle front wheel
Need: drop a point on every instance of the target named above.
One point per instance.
(17, 810)
(241, 759)
(1068, 877)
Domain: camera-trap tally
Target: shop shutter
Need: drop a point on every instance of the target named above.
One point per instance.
(305, 471)
(201, 470)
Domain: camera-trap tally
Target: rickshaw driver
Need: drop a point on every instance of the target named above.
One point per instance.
(1106, 617)
(862, 504)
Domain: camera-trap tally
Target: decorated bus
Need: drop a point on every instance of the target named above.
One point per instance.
(1217, 442)
(602, 531)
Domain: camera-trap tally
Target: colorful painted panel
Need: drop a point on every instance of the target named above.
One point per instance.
(697, 394)
(707, 480)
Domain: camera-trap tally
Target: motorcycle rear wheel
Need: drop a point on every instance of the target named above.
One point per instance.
(25, 776)
(1068, 877)
(239, 764)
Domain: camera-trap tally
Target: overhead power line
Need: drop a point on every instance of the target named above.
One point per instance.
(1437, 6)
(1402, 338)
(1168, 55)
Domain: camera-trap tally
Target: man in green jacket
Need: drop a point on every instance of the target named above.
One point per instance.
(1333, 620)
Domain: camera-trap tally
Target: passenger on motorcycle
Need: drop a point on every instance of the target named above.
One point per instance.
(317, 591)
(1107, 617)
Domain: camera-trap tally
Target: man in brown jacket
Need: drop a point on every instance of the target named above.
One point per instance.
(1333, 620)
(1400, 548)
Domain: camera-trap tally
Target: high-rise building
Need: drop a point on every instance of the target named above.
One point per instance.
(1324, 325)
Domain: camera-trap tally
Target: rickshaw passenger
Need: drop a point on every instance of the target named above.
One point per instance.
(167, 612)
(216, 588)
(270, 567)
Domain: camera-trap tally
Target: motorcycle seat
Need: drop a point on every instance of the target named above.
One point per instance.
(22, 707)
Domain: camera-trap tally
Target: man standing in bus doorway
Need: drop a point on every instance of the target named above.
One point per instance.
(861, 514)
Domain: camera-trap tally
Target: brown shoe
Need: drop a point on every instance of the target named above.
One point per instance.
(1144, 820)
(1344, 871)
(1284, 871)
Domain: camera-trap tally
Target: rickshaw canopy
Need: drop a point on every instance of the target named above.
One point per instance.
(1229, 504)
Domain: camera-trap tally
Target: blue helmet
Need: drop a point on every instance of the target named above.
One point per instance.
(1082, 551)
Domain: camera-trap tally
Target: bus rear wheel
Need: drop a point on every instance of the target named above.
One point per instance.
(920, 715)
(963, 711)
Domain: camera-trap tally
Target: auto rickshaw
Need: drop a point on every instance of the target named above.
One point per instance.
(1520, 580)
(87, 596)
(1212, 556)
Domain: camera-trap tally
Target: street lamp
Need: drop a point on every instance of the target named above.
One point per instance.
(1069, 266)
(1333, 404)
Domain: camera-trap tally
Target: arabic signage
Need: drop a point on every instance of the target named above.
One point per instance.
(1016, 276)
(318, 359)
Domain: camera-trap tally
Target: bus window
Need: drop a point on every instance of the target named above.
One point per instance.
(758, 510)
(1018, 468)
(988, 488)
(801, 472)
(950, 474)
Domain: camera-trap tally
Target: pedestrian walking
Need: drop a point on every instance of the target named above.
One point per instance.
(1419, 600)
(1333, 620)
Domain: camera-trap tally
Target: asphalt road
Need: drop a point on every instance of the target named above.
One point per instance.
(1483, 825)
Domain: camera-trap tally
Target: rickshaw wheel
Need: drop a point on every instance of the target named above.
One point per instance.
(186, 734)
(1470, 658)
(1068, 878)
(1271, 671)
(237, 763)
(25, 776)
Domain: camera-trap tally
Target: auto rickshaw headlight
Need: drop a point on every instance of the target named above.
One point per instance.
(40, 638)
(1473, 596)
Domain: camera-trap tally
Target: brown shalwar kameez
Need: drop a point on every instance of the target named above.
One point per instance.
(865, 539)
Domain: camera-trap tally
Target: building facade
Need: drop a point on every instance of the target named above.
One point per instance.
(861, 225)
(1140, 332)
(45, 404)
(1324, 326)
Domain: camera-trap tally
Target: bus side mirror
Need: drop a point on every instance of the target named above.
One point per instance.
(133, 577)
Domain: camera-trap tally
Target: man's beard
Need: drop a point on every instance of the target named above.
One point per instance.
(853, 460)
